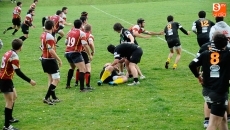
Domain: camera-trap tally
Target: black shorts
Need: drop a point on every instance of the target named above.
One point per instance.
(6, 85)
(136, 56)
(216, 102)
(74, 57)
(175, 42)
(85, 57)
(25, 29)
(60, 28)
(16, 21)
(202, 41)
(50, 66)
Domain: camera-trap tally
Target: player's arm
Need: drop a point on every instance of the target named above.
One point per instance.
(136, 34)
(193, 67)
(153, 33)
(182, 29)
(52, 51)
(87, 48)
(211, 33)
(91, 45)
(194, 27)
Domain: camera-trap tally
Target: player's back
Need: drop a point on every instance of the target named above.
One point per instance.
(48, 42)
(73, 40)
(171, 30)
(203, 27)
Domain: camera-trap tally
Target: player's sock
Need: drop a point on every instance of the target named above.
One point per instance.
(174, 66)
(118, 80)
(206, 118)
(48, 92)
(81, 79)
(7, 117)
(77, 76)
(135, 79)
(43, 21)
(11, 114)
(87, 79)
(69, 77)
(105, 75)
(23, 38)
(59, 38)
(9, 28)
(52, 89)
(168, 60)
(15, 30)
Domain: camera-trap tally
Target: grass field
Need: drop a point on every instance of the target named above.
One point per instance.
(166, 99)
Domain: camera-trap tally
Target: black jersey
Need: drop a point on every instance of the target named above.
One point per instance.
(125, 50)
(216, 70)
(124, 36)
(171, 30)
(203, 27)
(206, 46)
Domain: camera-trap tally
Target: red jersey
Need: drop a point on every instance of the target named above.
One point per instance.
(136, 28)
(89, 38)
(10, 62)
(28, 20)
(33, 6)
(57, 21)
(74, 40)
(17, 12)
(48, 42)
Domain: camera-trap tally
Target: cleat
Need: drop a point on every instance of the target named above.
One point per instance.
(56, 100)
(4, 32)
(67, 87)
(76, 84)
(99, 83)
(142, 77)
(134, 83)
(206, 123)
(166, 65)
(13, 120)
(85, 90)
(47, 101)
(174, 66)
(112, 83)
(10, 128)
(89, 88)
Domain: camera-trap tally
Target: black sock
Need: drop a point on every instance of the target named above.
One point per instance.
(43, 21)
(9, 28)
(48, 93)
(52, 89)
(23, 38)
(81, 79)
(7, 117)
(15, 30)
(59, 38)
(135, 79)
(11, 114)
(206, 118)
(69, 77)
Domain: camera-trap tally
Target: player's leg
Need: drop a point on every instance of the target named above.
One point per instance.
(178, 51)
(228, 111)
(70, 75)
(13, 120)
(61, 33)
(25, 30)
(43, 21)
(53, 85)
(139, 72)
(88, 70)
(106, 74)
(224, 123)
(206, 115)
(118, 80)
(16, 26)
(9, 28)
(77, 77)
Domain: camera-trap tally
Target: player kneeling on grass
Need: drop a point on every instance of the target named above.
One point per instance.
(109, 74)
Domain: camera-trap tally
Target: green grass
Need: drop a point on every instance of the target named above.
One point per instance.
(166, 99)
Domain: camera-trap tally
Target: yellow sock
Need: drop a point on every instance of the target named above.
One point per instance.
(105, 75)
(119, 80)
(174, 65)
(168, 60)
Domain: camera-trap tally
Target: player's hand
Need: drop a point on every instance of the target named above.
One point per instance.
(147, 36)
(33, 26)
(60, 63)
(32, 82)
(90, 57)
(162, 33)
(200, 79)
(188, 32)
(92, 53)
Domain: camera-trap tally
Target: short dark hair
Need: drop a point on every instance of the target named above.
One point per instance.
(111, 48)
(35, 1)
(220, 41)
(77, 23)
(140, 21)
(202, 14)
(19, 3)
(83, 18)
(84, 13)
(30, 11)
(58, 12)
(64, 8)
(218, 19)
(17, 44)
(117, 27)
(49, 24)
(170, 18)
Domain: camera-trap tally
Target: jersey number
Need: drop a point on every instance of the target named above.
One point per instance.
(71, 41)
(3, 62)
(215, 58)
(204, 23)
(169, 26)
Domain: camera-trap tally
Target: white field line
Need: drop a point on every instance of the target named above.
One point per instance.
(132, 24)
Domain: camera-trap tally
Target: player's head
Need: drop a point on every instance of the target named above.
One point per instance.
(31, 11)
(84, 13)
(111, 48)
(19, 3)
(64, 9)
(35, 1)
(117, 27)
(83, 19)
(170, 18)
(140, 22)
(59, 12)
(49, 24)
(77, 23)
(218, 19)
(87, 28)
(202, 14)
(17, 44)
(220, 41)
